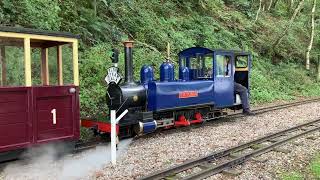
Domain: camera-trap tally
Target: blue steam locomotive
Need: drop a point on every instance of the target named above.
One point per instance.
(204, 89)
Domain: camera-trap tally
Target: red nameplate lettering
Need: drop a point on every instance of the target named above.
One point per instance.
(188, 94)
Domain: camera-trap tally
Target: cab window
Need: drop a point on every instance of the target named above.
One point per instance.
(223, 66)
(196, 62)
(242, 61)
(208, 64)
(203, 65)
(183, 62)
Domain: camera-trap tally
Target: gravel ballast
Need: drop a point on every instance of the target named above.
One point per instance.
(165, 149)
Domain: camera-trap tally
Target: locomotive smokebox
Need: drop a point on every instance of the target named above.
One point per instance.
(129, 94)
(128, 79)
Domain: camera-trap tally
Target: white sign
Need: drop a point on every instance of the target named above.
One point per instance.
(113, 76)
(114, 122)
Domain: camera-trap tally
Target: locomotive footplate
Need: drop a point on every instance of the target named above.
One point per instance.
(97, 126)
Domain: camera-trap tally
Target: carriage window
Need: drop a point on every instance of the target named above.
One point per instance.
(36, 66)
(242, 61)
(46, 65)
(67, 69)
(223, 66)
(31, 61)
(12, 61)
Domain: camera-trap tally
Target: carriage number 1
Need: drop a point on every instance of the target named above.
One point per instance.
(54, 116)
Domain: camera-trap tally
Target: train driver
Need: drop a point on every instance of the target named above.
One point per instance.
(239, 89)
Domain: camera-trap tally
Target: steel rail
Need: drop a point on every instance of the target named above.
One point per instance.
(172, 171)
(208, 121)
(265, 109)
(276, 107)
(82, 146)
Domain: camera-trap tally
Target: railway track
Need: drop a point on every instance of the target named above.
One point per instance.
(223, 160)
(213, 121)
(273, 108)
(82, 146)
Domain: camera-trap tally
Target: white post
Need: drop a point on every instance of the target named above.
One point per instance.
(114, 122)
(113, 137)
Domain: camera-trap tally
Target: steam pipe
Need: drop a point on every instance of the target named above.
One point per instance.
(128, 79)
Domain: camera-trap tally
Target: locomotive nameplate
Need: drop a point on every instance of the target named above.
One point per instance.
(188, 94)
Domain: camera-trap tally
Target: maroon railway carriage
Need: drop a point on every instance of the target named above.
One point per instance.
(39, 92)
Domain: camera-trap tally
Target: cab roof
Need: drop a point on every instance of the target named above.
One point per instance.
(193, 51)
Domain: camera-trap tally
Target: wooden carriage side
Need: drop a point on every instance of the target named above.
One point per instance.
(32, 114)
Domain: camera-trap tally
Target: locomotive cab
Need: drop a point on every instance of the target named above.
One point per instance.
(242, 63)
(224, 67)
(241, 76)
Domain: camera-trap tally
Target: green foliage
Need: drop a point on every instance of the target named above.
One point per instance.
(15, 66)
(284, 81)
(85, 134)
(292, 176)
(312, 171)
(42, 14)
(93, 65)
(315, 167)
(152, 24)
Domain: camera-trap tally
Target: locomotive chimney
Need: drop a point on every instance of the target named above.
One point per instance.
(128, 62)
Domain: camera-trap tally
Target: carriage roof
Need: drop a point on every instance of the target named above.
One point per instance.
(22, 30)
(38, 38)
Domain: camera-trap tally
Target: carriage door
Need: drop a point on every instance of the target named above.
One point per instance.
(55, 109)
(55, 99)
(223, 79)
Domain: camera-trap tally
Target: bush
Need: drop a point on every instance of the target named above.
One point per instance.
(285, 81)
(93, 67)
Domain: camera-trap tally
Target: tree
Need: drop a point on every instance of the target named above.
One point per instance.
(274, 3)
(288, 27)
(311, 35)
(258, 11)
(290, 4)
(270, 4)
